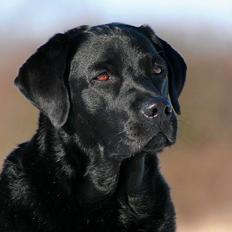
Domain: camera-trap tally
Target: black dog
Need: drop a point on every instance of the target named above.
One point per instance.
(103, 93)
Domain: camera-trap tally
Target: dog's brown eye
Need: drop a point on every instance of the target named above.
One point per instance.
(103, 77)
(157, 70)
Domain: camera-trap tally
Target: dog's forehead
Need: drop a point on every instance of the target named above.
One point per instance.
(114, 44)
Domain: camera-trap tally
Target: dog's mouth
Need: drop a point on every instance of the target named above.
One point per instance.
(154, 141)
(158, 142)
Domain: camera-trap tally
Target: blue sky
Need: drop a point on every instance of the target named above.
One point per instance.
(38, 18)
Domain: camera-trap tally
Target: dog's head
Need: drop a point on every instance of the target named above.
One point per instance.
(112, 86)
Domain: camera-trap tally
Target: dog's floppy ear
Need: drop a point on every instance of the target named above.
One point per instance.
(176, 66)
(41, 79)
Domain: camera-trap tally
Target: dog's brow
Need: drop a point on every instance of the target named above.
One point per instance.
(150, 58)
(146, 59)
(108, 64)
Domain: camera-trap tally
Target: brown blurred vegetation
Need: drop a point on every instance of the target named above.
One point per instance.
(199, 166)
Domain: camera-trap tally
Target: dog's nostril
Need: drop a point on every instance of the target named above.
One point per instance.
(168, 110)
(154, 112)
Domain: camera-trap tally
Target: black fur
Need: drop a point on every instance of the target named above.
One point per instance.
(92, 164)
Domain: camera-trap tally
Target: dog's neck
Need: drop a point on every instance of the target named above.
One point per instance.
(96, 175)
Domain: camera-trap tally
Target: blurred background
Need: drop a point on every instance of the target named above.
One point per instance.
(199, 167)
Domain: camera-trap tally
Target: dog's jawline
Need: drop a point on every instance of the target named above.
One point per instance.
(95, 187)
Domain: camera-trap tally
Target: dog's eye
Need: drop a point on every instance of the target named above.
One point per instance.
(157, 70)
(103, 77)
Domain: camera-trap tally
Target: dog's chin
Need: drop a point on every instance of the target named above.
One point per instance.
(152, 145)
(157, 143)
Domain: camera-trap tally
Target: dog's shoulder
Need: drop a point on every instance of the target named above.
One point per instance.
(14, 182)
(14, 185)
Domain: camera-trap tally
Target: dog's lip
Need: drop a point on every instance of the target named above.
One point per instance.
(170, 140)
(166, 133)
(149, 145)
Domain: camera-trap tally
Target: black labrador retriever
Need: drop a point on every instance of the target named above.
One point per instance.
(107, 96)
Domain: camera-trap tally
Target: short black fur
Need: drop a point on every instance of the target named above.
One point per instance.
(92, 164)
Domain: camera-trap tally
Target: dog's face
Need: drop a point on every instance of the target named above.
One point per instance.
(109, 86)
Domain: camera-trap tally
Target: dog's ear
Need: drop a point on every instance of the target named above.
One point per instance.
(41, 79)
(176, 65)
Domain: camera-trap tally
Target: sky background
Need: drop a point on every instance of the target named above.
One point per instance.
(42, 17)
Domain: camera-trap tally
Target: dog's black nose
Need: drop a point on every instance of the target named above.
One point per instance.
(157, 107)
